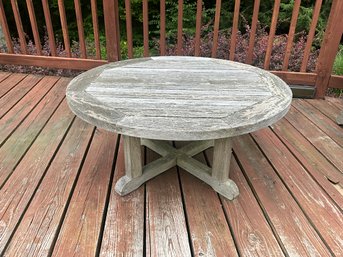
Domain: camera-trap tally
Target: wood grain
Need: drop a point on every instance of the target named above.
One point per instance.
(145, 28)
(19, 188)
(327, 146)
(301, 78)
(202, 206)
(336, 101)
(129, 28)
(336, 81)
(234, 30)
(216, 29)
(329, 47)
(183, 98)
(285, 216)
(326, 107)
(124, 212)
(10, 82)
(310, 36)
(16, 93)
(19, 25)
(311, 197)
(162, 27)
(315, 163)
(4, 75)
(328, 126)
(5, 29)
(252, 35)
(179, 28)
(271, 34)
(49, 27)
(96, 29)
(166, 232)
(82, 224)
(52, 62)
(80, 29)
(35, 198)
(34, 26)
(252, 233)
(64, 25)
(198, 28)
(111, 31)
(291, 33)
(40, 223)
(19, 112)
(15, 147)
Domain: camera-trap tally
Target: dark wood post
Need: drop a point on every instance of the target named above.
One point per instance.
(112, 29)
(329, 47)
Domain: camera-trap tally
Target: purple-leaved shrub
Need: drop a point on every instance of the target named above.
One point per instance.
(260, 47)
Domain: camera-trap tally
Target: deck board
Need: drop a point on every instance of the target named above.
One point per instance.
(285, 215)
(128, 212)
(16, 93)
(9, 82)
(57, 177)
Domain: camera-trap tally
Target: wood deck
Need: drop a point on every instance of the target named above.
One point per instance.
(57, 177)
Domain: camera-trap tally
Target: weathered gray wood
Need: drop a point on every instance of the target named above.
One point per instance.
(179, 98)
(133, 156)
(126, 184)
(182, 157)
(339, 119)
(221, 158)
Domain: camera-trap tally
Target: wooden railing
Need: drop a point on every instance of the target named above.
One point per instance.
(321, 78)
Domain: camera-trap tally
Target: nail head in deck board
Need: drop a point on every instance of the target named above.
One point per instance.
(286, 217)
(306, 153)
(124, 226)
(183, 98)
(14, 148)
(166, 232)
(82, 224)
(18, 113)
(10, 82)
(13, 96)
(21, 185)
(310, 196)
(329, 148)
(36, 232)
(331, 128)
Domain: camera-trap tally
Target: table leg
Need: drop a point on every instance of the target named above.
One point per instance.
(136, 174)
(222, 152)
(133, 165)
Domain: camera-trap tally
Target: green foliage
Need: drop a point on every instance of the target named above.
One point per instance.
(189, 18)
(338, 64)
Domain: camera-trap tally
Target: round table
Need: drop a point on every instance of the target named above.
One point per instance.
(151, 101)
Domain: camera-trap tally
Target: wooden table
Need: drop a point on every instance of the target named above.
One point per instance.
(151, 101)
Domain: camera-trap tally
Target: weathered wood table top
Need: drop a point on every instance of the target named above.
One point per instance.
(204, 100)
(179, 98)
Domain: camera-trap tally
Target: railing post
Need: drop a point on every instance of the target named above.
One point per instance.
(329, 47)
(112, 29)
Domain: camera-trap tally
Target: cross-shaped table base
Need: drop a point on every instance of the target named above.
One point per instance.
(217, 177)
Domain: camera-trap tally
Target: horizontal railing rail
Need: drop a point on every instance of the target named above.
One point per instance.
(199, 45)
